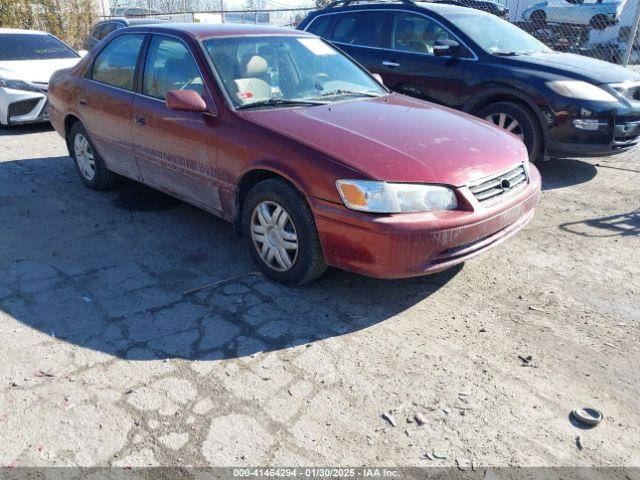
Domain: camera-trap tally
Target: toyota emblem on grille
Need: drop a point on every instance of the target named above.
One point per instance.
(505, 184)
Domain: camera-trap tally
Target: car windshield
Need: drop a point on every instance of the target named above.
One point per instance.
(16, 46)
(496, 36)
(280, 71)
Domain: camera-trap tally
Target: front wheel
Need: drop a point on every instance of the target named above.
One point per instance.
(519, 120)
(281, 233)
(89, 163)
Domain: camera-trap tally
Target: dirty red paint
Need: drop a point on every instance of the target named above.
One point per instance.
(202, 158)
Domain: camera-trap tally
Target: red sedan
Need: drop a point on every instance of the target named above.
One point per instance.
(308, 155)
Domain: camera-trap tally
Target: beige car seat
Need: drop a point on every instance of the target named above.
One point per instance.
(252, 88)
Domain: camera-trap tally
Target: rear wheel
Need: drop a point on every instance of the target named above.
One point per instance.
(89, 164)
(281, 233)
(519, 120)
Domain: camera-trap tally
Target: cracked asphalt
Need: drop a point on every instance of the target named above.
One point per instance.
(106, 361)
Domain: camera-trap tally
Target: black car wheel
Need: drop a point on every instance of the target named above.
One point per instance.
(599, 22)
(539, 18)
(281, 233)
(519, 120)
(89, 163)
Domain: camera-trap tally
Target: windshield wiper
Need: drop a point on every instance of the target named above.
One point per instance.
(338, 93)
(278, 102)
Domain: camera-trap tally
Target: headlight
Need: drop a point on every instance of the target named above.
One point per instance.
(580, 90)
(17, 85)
(382, 197)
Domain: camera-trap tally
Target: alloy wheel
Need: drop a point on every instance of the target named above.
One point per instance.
(84, 156)
(274, 236)
(506, 122)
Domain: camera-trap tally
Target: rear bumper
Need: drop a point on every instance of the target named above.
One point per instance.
(407, 245)
(19, 107)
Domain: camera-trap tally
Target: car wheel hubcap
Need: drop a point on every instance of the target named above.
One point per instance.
(274, 236)
(506, 122)
(84, 157)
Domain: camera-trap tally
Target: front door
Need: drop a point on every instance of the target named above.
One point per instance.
(105, 102)
(176, 150)
(410, 66)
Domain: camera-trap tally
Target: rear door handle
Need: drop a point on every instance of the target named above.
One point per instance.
(387, 63)
(141, 120)
(82, 101)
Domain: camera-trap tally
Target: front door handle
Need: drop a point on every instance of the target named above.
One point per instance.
(82, 101)
(387, 63)
(141, 120)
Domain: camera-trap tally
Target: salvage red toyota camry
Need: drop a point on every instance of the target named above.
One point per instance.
(310, 157)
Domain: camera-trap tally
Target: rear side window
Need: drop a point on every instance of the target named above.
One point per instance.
(362, 28)
(320, 26)
(116, 64)
(169, 66)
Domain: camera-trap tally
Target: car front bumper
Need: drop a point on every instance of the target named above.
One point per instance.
(614, 130)
(21, 106)
(407, 245)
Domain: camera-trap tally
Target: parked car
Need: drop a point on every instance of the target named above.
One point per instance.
(560, 104)
(27, 60)
(593, 13)
(309, 156)
(105, 27)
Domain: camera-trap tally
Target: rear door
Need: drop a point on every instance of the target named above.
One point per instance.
(105, 101)
(177, 151)
(409, 65)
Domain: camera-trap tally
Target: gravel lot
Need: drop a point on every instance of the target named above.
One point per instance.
(106, 362)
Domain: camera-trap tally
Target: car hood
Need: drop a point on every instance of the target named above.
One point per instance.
(399, 139)
(39, 71)
(575, 66)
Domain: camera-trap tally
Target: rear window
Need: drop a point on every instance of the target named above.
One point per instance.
(320, 26)
(21, 46)
(362, 28)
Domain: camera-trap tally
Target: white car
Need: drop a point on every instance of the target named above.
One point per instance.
(27, 60)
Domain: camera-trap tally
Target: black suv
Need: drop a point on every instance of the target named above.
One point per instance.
(105, 27)
(560, 104)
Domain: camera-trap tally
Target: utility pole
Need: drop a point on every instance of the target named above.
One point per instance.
(632, 35)
(222, 10)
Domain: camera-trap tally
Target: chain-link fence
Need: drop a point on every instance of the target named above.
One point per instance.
(604, 29)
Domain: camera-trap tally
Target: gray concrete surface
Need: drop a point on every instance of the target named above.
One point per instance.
(106, 362)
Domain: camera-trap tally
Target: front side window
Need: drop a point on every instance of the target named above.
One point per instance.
(496, 36)
(416, 33)
(270, 71)
(22, 46)
(362, 28)
(169, 66)
(116, 64)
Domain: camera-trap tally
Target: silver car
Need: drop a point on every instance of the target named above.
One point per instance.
(596, 14)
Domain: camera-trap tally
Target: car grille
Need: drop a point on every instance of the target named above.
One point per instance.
(626, 131)
(496, 185)
(23, 107)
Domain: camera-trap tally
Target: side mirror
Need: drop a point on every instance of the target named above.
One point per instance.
(378, 77)
(82, 53)
(185, 100)
(446, 48)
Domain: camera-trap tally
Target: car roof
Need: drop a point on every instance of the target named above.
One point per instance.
(21, 31)
(434, 6)
(145, 21)
(208, 30)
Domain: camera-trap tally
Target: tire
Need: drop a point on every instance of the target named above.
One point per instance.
(529, 126)
(599, 22)
(307, 260)
(81, 148)
(539, 17)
